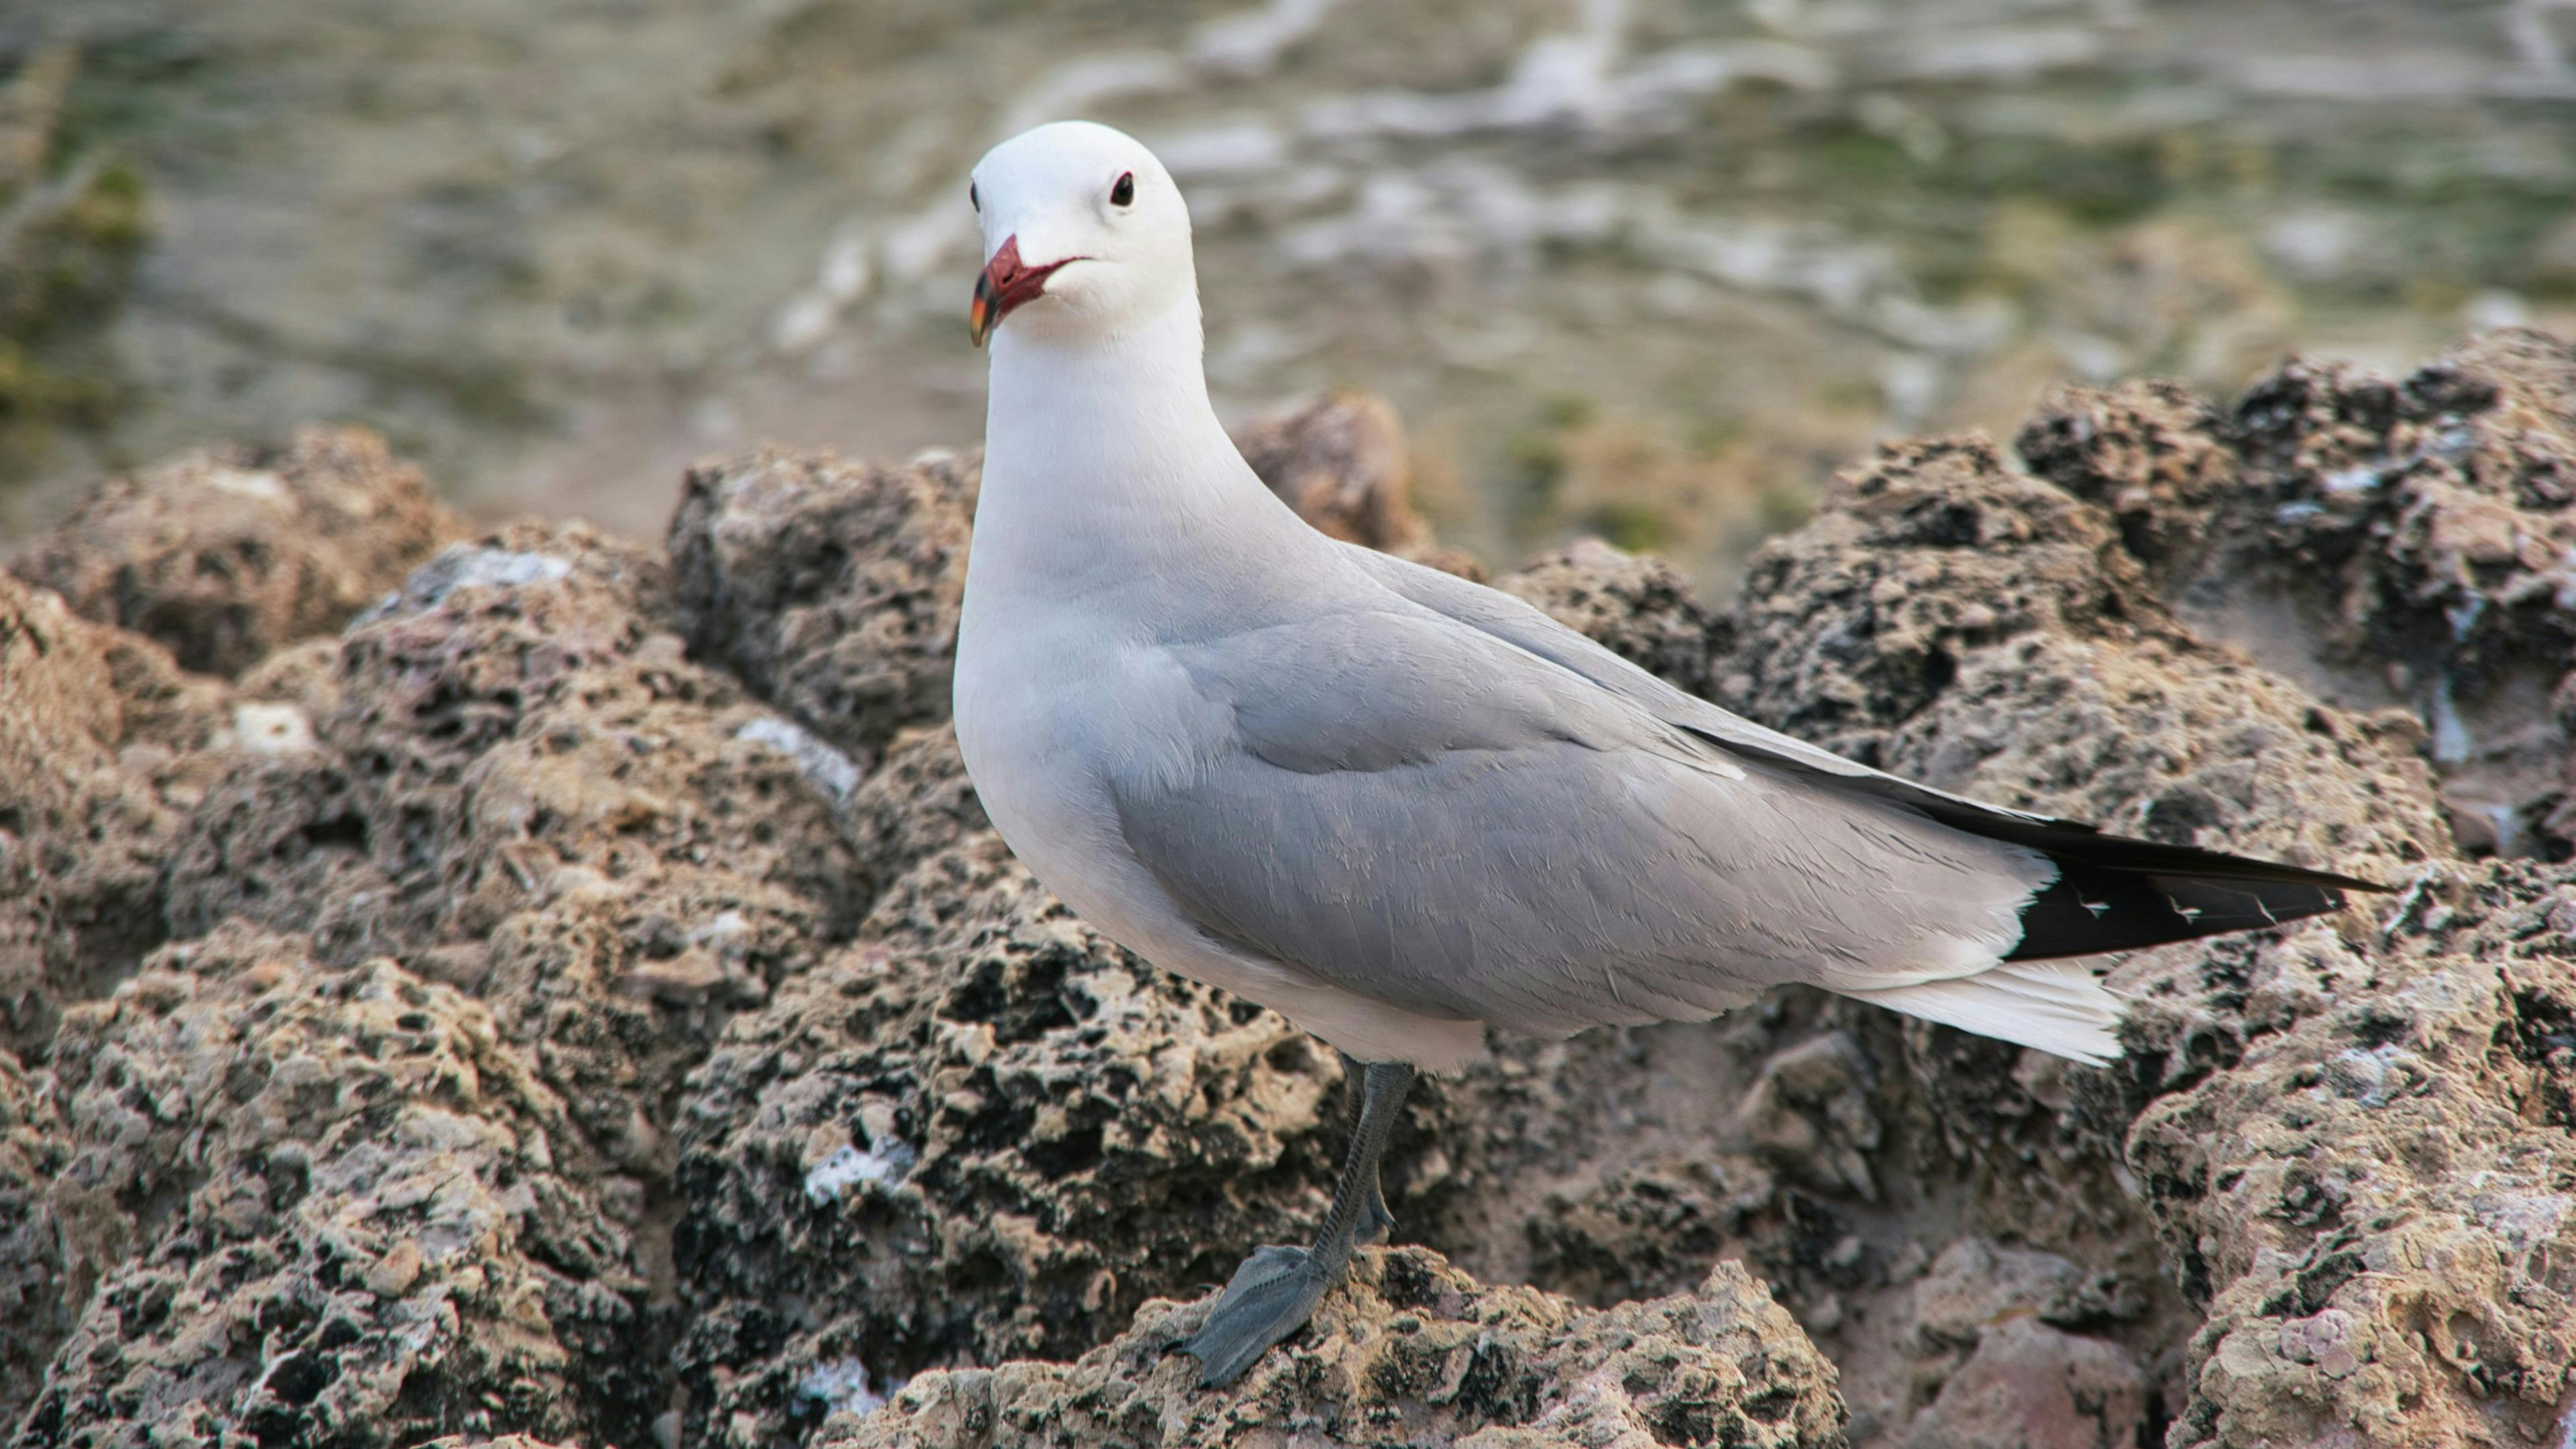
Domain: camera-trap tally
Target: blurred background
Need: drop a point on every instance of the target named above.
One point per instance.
(1650, 269)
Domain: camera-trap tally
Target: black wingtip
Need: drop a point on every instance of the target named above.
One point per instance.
(2114, 893)
(2089, 910)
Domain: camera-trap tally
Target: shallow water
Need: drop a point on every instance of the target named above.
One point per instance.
(1648, 269)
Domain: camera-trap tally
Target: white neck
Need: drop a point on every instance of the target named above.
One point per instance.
(1102, 455)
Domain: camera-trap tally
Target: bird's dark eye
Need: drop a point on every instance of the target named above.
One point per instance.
(972, 199)
(1124, 193)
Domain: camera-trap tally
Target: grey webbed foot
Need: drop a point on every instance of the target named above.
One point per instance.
(1270, 1297)
(1275, 1291)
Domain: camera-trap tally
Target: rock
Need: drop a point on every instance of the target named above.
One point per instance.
(983, 1132)
(39, 1291)
(2154, 454)
(305, 675)
(2373, 1205)
(283, 1129)
(1640, 607)
(916, 804)
(507, 773)
(528, 788)
(2029, 1386)
(1809, 1112)
(226, 556)
(1339, 460)
(283, 839)
(1618, 1165)
(1412, 1352)
(161, 704)
(56, 736)
(2302, 1106)
(2386, 542)
(652, 898)
(1632, 1232)
(80, 833)
(1975, 1284)
(831, 588)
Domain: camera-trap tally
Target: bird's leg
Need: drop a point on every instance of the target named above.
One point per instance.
(1275, 1291)
(1376, 1223)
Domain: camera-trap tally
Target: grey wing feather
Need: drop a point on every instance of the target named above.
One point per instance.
(1453, 826)
(2070, 842)
(1528, 628)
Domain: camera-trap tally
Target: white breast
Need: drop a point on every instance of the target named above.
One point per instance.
(1040, 710)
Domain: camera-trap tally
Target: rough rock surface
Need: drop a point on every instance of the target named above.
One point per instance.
(2030, 1386)
(1642, 607)
(85, 807)
(984, 1133)
(343, 1219)
(228, 555)
(34, 1313)
(2389, 542)
(831, 588)
(1416, 1352)
(2375, 1205)
(2336, 1149)
(506, 776)
(616, 928)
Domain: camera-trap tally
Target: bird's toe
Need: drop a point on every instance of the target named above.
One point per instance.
(1376, 1224)
(1270, 1297)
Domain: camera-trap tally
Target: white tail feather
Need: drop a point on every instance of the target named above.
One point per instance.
(2051, 1006)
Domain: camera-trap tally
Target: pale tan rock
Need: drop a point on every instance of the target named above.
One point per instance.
(295, 1130)
(831, 588)
(1412, 1352)
(226, 556)
(737, 965)
(1640, 607)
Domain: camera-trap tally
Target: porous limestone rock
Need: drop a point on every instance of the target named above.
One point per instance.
(37, 1296)
(343, 1219)
(781, 1094)
(85, 812)
(2404, 542)
(2030, 1386)
(2374, 1205)
(1413, 1352)
(2327, 1131)
(1640, 607)
(229, 555)
(830, 588)
(984, 1132)
(520, 784)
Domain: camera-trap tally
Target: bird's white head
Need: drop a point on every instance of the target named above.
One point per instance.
(1084, 234)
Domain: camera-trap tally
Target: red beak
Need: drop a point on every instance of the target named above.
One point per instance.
(1003, 287)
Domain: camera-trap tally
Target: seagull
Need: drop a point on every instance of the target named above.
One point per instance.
(1400, 808)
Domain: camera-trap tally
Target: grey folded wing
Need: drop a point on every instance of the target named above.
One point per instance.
(1410, 809)
(2248, 892)
(1525, 627)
